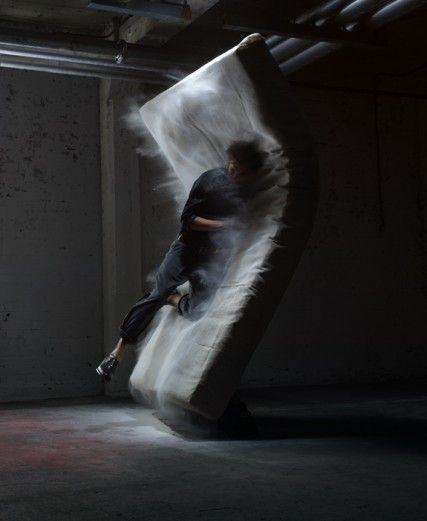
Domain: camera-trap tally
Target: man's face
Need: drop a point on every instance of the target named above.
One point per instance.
(239, 171)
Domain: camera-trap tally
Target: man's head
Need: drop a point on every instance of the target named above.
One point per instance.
(245, 158)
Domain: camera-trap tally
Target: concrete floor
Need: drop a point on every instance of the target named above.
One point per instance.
(322, 454)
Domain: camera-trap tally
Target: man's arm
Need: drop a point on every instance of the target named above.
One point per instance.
(195, 198)
(201, 224)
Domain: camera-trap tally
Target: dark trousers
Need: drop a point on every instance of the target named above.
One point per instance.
(204, 268)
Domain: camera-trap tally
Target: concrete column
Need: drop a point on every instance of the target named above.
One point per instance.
(122, 275)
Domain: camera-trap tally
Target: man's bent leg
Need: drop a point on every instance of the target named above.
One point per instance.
(204, 283)
(140, 315)
(119, 350)
(171, 273)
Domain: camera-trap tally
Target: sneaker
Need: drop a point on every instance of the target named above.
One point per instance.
(107, 367)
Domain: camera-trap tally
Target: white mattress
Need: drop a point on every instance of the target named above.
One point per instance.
(239, 95)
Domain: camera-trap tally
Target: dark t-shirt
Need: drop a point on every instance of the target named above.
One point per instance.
(214, 195)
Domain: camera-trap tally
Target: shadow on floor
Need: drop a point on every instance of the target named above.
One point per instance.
(270, 427)
(393, 415)
(289, 426)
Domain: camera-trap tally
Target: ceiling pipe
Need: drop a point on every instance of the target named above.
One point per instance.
(15, 63)
(288, 48)
(89, 56)
(390, 12)
(93, 70)
(77, 47)
(310, 55)
(271, 41)
(353, 11)
(323, 10)
(87, 63)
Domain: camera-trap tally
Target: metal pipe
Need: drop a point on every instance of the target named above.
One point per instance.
(354, 10)
(392, 11)
(88, 54)
(322, 11)
(80, 49)
(310, 55)
(59, 68)
(272, 41)
(289, 48)
(49, 57)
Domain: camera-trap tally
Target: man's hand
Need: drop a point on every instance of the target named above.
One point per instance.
(200, 224)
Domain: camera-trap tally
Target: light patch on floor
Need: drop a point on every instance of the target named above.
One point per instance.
(320, 455)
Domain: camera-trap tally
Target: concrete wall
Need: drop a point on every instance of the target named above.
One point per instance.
(50, 249)
(356, 309)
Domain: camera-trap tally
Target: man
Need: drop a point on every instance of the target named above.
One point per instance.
(200, 254)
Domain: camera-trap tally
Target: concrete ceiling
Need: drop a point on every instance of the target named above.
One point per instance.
(73, 16)
(56, 15)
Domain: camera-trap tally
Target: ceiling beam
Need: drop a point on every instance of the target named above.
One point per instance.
(314, 34)
(135, 28)
(157, 10)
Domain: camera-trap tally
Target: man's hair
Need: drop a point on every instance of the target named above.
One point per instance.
(248, 153)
